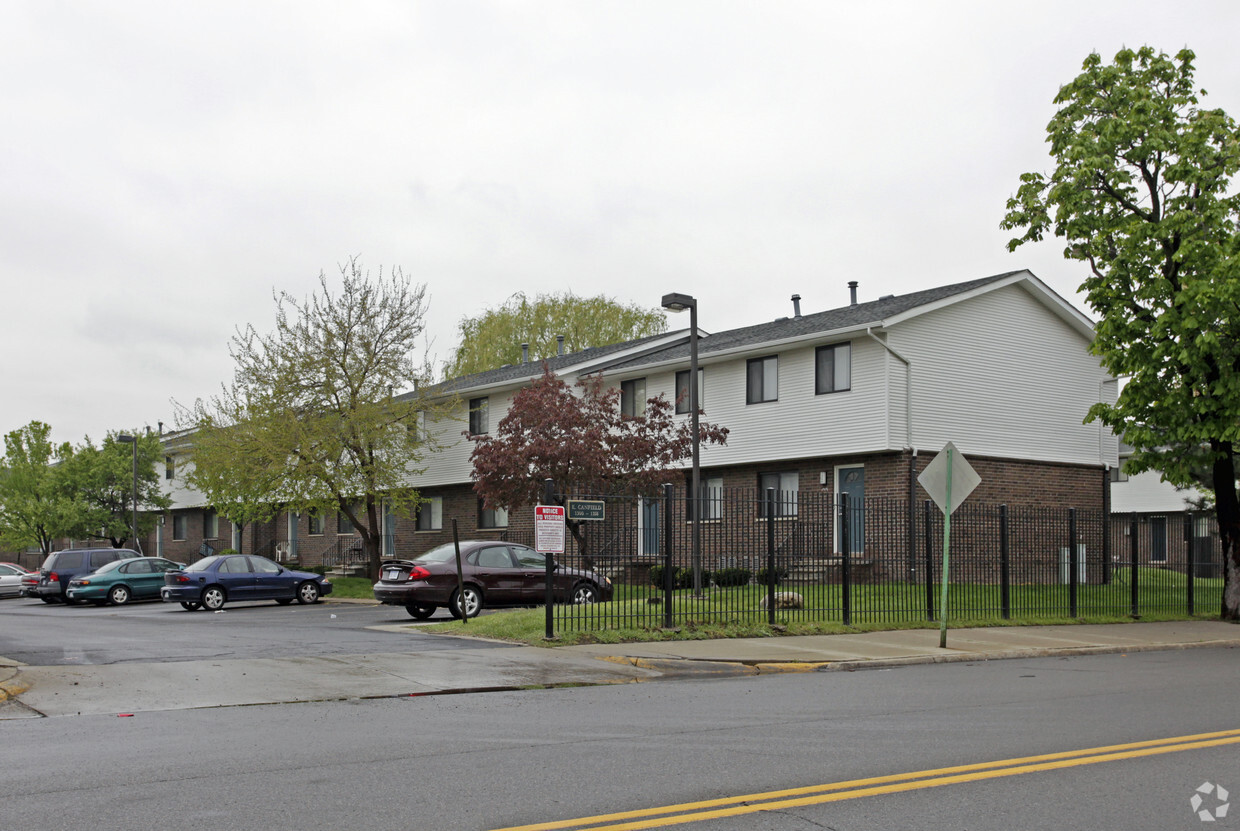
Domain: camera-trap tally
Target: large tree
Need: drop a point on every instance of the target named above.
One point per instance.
(494, 338)
(310, 422)
(101, 483)
(1142, 193)
(35, 506)
(582, 442)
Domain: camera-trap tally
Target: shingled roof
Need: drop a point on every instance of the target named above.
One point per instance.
(652, 349)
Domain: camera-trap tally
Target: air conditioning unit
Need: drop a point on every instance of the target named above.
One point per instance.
(282, 552)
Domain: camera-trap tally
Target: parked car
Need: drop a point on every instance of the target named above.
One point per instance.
(11, 575)
(61, 567)
(213, 581)
(140, 578)
(494, 574)
(30, 584)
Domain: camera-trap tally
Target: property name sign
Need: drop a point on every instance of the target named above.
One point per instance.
(549, 529)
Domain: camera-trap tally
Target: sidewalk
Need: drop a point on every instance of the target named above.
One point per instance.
(127, 688)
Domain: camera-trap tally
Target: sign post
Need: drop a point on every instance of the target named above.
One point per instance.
(549, 539)
(948, 479)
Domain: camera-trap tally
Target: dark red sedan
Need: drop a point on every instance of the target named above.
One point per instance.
(494, 574)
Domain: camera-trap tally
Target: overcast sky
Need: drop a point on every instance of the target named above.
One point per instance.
(168, 165)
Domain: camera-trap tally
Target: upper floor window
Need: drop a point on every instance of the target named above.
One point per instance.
(478, 420)
(682, 391)
(633, 397)
(762, 380)
(430, 514)
(169, 467)
(833, 368)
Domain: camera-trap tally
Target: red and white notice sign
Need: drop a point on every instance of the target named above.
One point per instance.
(549, 529)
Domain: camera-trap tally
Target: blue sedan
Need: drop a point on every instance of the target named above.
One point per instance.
(213, 581)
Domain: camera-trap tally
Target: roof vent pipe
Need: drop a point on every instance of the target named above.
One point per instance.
(852, 292)
(796, 306)
(525, 353)
(559, 344)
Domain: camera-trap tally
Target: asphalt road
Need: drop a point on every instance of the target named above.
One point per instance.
(497, 760)
(42, 634)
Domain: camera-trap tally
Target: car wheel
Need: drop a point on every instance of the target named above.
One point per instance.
(190, 606)
(119, 595)
(585, 593)
(308, 592)
(471, 605)
(419, 611)
(213, 598)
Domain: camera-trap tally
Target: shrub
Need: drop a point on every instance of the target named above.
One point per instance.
(726, 577)
(683, 578)
(764, 575)
(227, 552)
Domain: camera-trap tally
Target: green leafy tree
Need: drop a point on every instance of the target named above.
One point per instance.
(310, 422)
(1142, 194)
(35, 505)
(101, 483)
(494, 338)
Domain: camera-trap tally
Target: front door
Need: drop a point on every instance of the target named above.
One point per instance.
(649, 528)
(850, 482)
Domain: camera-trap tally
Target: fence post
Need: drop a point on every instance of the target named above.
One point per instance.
(1072, 562)
(770, 556)
(1005, 566)
(1134, 554)
(669, 578)
(1106, 526)
(845, 560)
(1188, 557)
(925, 518)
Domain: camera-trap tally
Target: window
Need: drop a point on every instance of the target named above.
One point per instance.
(492, 517)
(344, 525)
(210, 524)
(633, 397)
(178, 526)
(430, 514)
(170, 467)
(833, 368)
(478, 421)
(762, 380)
(1117, 474)
(682, 391)
(316, 523)
(786, 485)
(710, 497)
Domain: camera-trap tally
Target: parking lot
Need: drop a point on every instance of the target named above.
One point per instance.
(40, 634)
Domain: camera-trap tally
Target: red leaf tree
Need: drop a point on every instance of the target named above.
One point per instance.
(581, 442)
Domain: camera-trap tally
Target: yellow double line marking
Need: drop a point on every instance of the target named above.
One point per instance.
(856, 788)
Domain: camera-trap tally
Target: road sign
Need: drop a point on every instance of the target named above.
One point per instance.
(549, 529)
(587, 509)
(949, 478)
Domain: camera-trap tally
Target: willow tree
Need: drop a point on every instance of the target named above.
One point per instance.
(310, 422)
(1142, 193)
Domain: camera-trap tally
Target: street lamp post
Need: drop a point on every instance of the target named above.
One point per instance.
(678, 303)
(123, 438)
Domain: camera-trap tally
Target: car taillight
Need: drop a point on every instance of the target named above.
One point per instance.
(53, 577)
(181, 578)
(418, 573)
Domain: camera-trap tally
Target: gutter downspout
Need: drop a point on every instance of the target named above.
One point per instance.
(908, 384)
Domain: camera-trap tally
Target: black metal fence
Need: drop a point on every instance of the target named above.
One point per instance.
(784, 557)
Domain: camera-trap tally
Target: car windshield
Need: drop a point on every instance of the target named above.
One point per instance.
(203, 564)
(439, 554)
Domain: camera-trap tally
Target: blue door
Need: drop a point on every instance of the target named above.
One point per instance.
(852, 485)
(650, 527)
(235, 576)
